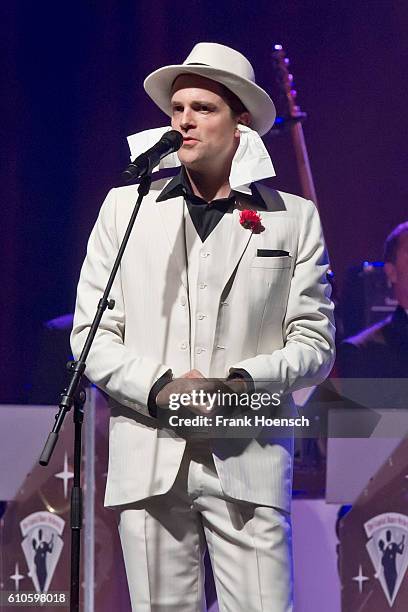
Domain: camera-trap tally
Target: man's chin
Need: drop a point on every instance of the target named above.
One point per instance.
(188, 158)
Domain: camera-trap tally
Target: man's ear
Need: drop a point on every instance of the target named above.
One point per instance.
(245, 118)
(390, 272)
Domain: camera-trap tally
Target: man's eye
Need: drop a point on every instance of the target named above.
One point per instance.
(177, 109)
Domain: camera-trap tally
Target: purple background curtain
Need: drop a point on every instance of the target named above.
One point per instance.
(72, 91)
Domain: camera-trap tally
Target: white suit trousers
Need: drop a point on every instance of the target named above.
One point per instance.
(164, 540)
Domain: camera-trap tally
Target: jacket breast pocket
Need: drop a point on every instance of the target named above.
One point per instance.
(270, 279)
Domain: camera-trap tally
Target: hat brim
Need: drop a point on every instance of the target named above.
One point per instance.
(158, 86)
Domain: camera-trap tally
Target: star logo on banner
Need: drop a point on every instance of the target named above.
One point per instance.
(16, 577)
(360, 578)
(65, 475)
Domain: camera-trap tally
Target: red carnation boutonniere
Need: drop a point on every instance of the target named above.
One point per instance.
(250, 219)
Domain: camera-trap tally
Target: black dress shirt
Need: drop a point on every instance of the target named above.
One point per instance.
(205, 215)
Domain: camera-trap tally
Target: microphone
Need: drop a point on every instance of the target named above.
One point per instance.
(143, 164)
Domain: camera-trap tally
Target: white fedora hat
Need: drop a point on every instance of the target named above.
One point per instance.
(223, 65)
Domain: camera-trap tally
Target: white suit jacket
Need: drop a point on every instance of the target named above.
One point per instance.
(278, 326)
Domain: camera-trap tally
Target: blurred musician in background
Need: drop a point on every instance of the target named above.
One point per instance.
(381, 351)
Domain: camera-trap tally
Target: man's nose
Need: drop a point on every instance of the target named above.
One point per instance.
(186, 120)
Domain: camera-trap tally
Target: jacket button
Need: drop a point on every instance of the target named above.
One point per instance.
(183, 346)
(183, 300)
(200, 316)
(202, 285)
(199, 350)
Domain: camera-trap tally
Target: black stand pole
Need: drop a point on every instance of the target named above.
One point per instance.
(76, 503)
(72, 396)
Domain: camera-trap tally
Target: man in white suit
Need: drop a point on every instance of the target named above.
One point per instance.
(205, 299)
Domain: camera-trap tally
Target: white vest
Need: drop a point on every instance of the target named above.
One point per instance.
(204, 260)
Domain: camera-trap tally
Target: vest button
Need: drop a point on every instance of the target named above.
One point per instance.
(183, 300)
(204, 253)
(199, 350)
(202, 285)
(183, 346)
(200, 316)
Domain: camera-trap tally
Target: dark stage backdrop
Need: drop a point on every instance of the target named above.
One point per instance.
(72, 91)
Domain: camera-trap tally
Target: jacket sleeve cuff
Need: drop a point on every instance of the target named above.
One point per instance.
(155, 390)
(244, 375)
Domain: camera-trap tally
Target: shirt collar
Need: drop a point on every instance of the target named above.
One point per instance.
(180, 186)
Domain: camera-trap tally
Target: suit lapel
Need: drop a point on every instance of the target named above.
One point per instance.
(171, 213)
(238, 242)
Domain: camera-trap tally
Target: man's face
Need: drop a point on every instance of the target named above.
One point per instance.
(201, 114)
(397, 272)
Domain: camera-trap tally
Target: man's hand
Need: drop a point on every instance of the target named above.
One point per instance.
(193, 383)
(193, 374)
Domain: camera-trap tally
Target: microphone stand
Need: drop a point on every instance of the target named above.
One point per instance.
(74, 396)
